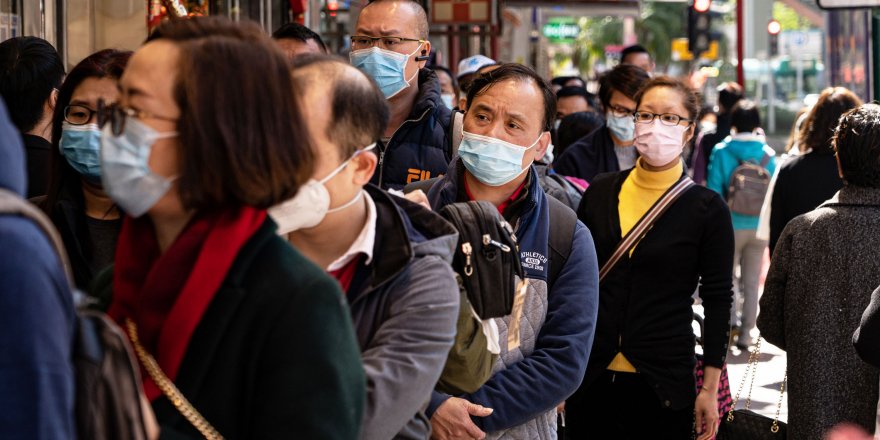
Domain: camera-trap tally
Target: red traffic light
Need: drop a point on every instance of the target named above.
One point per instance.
(702, 5)
(773, 27)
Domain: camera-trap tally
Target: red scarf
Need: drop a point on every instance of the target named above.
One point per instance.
(166, 294)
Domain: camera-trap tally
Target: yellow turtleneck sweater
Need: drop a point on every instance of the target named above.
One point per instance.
(641, 189)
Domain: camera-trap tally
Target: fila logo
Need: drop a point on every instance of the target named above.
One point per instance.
(415, 174)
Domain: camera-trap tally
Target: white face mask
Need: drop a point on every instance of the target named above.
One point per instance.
(311, 203)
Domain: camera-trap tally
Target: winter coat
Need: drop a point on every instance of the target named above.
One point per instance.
(824, 268)
(37, 320)
(557, 324)
(421, 147)
(404, 305)
(591, 155)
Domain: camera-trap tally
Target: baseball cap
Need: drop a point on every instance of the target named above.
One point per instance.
(473, 64)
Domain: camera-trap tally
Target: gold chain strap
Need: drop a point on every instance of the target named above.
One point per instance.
(167, 387)
(753, 366)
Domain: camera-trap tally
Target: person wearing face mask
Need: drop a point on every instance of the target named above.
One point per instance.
(609, 148)
(87, 219)
(391, 257)
(390, 44)
(256, 339)
(448, 86)
(746, 144)
(643, 356)
(506, 129)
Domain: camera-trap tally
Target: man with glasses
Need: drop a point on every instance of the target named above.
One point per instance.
(609, 148)
(30, 75)
(390, 44)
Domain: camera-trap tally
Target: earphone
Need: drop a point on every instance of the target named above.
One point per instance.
(423, 57)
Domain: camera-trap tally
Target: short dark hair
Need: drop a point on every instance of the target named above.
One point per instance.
(242, 145)
(446, 70)
(296, 31)
(818, 128)
(575, 126)
(729, 94)
(745, 116)
(569, 91)
(359, 110)
(625, 78)
(857, 143)
(421, 16)
(562, 80)
(108, 63)
(634, 49)
(691, 99)
(30, 69)
(522, 73)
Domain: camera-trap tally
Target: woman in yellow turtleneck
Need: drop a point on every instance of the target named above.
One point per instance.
(640, 379)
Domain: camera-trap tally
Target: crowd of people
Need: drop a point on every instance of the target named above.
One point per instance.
(265, 223)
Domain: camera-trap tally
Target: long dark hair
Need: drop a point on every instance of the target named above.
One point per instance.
(818, 129)
(63, 179)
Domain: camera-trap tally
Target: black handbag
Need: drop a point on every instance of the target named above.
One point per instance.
(745, 424)
(487, 257)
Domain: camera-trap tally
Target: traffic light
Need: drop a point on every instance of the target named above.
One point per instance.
(699, 25)
(773, 29)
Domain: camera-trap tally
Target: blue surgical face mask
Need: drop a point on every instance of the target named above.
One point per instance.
(125, 172)
(448, 100)
(492, 161)
(622, 127)
(81, 146)
(385, 67)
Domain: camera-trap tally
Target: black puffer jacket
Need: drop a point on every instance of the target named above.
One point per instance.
(421, 148)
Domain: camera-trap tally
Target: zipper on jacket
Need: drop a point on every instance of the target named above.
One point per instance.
(383, 150)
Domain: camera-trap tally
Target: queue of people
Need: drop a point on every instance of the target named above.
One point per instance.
(277, 255)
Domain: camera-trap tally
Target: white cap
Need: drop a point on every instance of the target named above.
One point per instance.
(473, 64)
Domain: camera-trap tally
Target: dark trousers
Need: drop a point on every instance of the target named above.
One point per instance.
(624, 405)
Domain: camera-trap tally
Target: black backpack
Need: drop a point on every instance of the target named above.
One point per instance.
(109, 397)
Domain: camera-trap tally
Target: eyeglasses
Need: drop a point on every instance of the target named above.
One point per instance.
(78, 114)
(364, 41)
(620, 112)
(665, 118)
(116, 115)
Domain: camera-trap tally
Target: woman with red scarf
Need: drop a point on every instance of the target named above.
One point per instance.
(257, 340)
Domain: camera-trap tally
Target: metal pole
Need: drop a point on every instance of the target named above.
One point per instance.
(740, 18)
(771, 100)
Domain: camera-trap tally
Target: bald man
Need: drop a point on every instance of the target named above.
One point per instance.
(390, 256)
(390, 44)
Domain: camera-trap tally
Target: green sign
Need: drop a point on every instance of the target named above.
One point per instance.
(562, 30)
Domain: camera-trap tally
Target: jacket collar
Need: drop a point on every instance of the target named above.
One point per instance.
(405, 230)
(428, 98)
(855, 196)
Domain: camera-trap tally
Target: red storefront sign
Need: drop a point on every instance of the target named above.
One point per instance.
(462, 11)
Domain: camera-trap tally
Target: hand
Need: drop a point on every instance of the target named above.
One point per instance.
(452, 420)
(560, 408)
(706, 413)
(418, 196)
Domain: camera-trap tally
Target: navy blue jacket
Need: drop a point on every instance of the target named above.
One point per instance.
(420, 148)
(36, 318)
(529, 389)
(590, 156)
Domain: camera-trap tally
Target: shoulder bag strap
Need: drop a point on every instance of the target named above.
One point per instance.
(180, 402)
(11, 203)
(456, 135)
(645, 223)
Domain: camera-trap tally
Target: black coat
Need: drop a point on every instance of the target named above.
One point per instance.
(274, 355)
(37, 150)
(645, 302)
(590, 156)
(802, 184)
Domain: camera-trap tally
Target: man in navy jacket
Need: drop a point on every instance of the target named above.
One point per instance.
(506, 128)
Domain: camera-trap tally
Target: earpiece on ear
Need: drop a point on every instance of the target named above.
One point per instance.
(423, 57)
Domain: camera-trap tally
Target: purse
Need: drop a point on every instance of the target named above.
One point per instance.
(745, 424)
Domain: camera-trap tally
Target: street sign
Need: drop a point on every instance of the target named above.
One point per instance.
(462, 11)
(680, 50)
(561, 30)
(847, 4)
